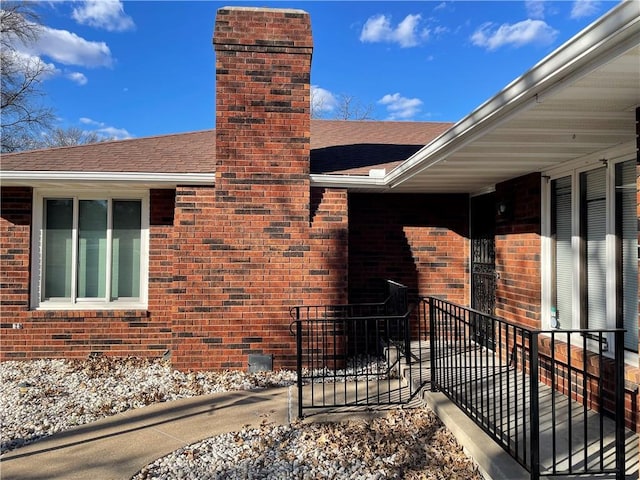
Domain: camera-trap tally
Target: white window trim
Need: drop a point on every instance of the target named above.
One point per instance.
(614, 156)
(37, 240)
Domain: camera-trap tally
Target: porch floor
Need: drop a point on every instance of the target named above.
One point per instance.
(494, 377)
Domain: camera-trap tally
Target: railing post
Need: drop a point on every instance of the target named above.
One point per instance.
(407, 337)
(432, 344)
(619, 398)
(534, 406)
(299, 359)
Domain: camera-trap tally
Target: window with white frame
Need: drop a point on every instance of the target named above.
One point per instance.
(91, 250)
(593, 249)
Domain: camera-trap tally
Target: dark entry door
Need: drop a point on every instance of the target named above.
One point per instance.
(483, 264)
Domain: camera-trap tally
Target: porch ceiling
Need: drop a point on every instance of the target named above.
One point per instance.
(578, 103)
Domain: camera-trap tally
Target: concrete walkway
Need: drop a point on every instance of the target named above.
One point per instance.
(117, 447)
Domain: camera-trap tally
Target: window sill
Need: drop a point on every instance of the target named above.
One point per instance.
(89, 307)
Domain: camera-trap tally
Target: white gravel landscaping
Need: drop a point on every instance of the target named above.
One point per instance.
(65, 393)
(406, 444)
(42, 397)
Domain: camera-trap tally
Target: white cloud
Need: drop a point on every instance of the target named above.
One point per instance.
(105, 131)
(535, 8)
(114, 133)
(440, 6)
(406, 34)
(77, 77)
(68, 48)
(584, 8)
(399, 107)
(518, 34)
(322, 101)
(106, 14)
(33, 63)
(440, 30)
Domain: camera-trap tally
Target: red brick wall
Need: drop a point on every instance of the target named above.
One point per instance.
(80, 333)
(250, 248)
(15, 242)
(518, 288)
(420, 241)
(235, 279)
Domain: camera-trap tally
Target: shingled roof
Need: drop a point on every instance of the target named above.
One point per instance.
(353, 147)
(337, 146)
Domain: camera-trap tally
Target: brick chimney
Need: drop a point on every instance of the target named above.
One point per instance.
(263, 64)
(243, 243)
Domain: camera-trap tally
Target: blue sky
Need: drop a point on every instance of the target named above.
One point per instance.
(134, 69)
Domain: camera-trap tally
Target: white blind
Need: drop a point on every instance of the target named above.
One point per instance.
(594, 228)
(627, 231)
(563, 255)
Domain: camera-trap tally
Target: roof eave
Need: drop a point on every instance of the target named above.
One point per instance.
(607, 37)
(38, 178)
(350, 182)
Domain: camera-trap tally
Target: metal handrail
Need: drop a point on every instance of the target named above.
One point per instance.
(328, 335)
(474, 378)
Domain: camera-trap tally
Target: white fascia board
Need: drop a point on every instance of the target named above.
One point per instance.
(606, 38)
(347, 181)
(37, 177)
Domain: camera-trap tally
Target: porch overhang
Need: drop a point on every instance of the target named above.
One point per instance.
(577, 103)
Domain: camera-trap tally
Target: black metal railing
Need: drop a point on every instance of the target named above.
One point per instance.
(542, 395)
(351, 355)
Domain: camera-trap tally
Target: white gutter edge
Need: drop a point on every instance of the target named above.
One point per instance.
(347, 181)
(121, 177)
(557, 69)
(35, 177)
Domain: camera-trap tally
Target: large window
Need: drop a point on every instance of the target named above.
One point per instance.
(593, 255)
(91, 251)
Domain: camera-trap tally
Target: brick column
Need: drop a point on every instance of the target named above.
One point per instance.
(248, 248)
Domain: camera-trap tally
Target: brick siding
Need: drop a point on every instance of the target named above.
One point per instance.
(57, 334)
(418, 240)
(248, 249)
(518, 244)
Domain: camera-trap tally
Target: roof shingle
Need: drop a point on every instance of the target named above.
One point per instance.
(337, 146)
